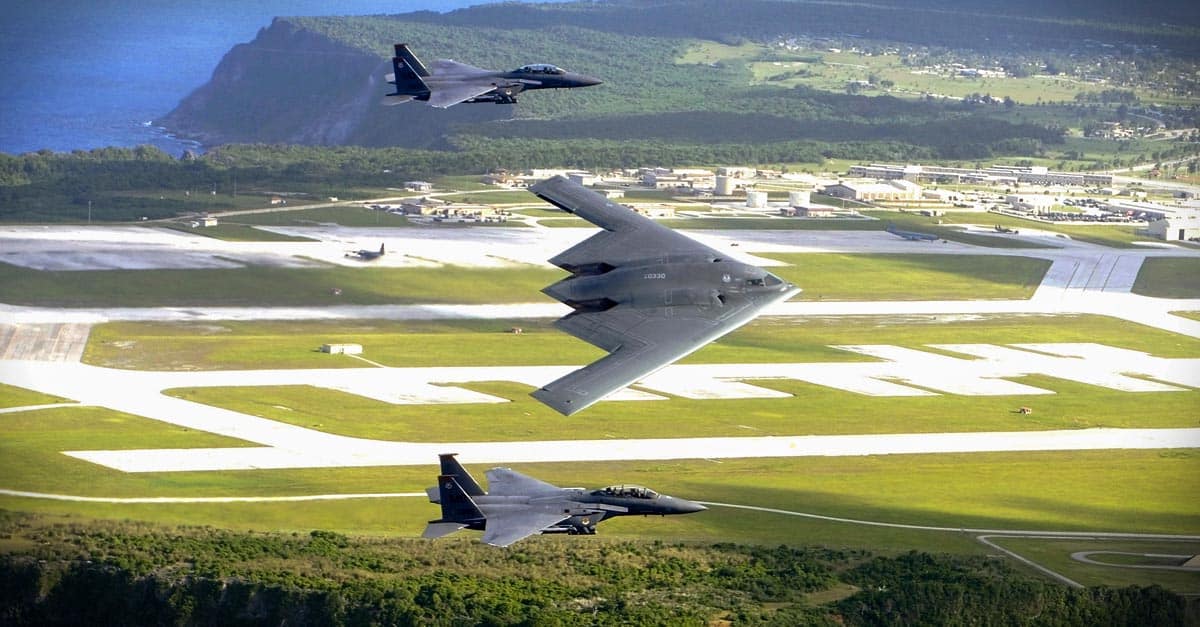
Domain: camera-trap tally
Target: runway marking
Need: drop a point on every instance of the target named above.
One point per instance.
(295, 447)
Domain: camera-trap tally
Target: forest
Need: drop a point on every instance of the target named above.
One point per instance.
(67, 571)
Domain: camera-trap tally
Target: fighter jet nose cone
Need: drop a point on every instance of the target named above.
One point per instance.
(588, 81)
(684, 506)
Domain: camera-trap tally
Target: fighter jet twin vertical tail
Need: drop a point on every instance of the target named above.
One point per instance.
(447, 83)
(644, 293)
(518, 506)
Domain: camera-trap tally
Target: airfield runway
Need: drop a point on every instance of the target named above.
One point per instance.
(1083, 279)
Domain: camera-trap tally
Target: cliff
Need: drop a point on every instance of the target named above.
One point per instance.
(293, 85)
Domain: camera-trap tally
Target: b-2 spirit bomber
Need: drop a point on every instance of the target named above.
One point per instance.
(446, 83)
(517, 506)
(643, 292)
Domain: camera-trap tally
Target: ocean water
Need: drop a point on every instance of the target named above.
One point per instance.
(82, 74)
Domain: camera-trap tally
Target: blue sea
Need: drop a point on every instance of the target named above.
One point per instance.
(82, 74)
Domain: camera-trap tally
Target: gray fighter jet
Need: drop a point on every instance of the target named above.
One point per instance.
(448, 83)
(518, 506)
(644, 293)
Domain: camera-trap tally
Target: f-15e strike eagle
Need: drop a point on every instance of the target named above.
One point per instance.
(517, 506)
(644, 293)
(446, 83)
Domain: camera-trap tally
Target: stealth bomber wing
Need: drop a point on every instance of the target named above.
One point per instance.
(644, 293)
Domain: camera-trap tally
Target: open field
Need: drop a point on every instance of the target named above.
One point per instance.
(493, 196)
(343, 215)
(1056, 555)
(912, 277)
(11, 396)
(1144, 491)
(233, 345)
(232, 232)
(849, 277)
(830, 70)
(267, 286)
(1169, 277)
(813, 410)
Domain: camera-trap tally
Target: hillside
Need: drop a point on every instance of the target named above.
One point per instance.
(319, 81)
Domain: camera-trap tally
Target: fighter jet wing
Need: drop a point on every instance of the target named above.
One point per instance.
(641, 342)
(449, 68)
(507, 482)
(448, 96)
(505, 528)
(627, 235)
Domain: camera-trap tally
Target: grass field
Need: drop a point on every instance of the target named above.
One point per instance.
(231, 232)
(266, 286)
(492, 196)
(232, 345)
(1169, 277)
(1143, 491)
(1056, 555)
(11, 396)
(814, 409)
(912, 276)
(846, 277)
(348, 215)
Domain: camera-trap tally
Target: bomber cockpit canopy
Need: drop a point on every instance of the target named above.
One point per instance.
(630, 491)
(540, 68)
(767, 280)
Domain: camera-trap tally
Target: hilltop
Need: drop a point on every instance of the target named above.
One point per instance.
(319, 81)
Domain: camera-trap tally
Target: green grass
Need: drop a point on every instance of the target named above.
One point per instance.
(269, 286)
(492, 196)
(1056, 555)
(32, 443)
(912, 276)
(231, 232)
(12, 396)
(1190, 315)
(832, 71)
(813, 410)
(232, 345)
(1136, 491)
(346, 215)
(1169, 277)
(846, 277)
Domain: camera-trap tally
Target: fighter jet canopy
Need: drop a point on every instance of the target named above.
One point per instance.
(540, 68)
(634, 491)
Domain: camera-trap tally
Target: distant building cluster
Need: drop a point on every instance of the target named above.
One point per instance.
(993, 175)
